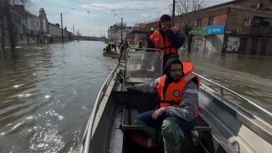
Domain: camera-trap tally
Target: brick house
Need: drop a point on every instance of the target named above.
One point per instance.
(240, 26)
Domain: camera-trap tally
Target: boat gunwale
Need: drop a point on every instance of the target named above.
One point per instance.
(222, 88)
(89, 130)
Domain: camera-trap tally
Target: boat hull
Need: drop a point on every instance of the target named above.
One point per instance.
(111, 54)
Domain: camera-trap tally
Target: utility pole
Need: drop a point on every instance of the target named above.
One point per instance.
(73, 33)
(61, 28)
(173, 13)
(121, 29)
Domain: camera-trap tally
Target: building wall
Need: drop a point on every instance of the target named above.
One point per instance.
(54, 30)
(24, 39)
(220, 15)
(269, 48)
(237, 29)
(33, 23)
(236, 20)
(114, 33)
(214, 43)
(252, 4)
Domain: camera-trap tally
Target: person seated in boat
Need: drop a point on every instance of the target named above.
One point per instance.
(123, 49)
(139, 46)
(110, 46)
(178, 110)
(167, 38)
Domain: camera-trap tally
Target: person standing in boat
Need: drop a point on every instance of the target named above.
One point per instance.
(123, 49)
(166, 38)
(178, 110)
(110, 46)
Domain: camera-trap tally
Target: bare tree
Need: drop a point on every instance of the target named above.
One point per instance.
(8, 17)
(188, 11)
(2, 24)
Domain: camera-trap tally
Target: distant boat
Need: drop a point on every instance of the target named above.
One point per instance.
(111, 54)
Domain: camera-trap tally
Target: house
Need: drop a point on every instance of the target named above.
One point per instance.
(116, 33)
(44, 28)
(54, 32)
(27, 26)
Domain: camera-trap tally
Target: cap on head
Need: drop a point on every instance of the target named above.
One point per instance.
(165, 17)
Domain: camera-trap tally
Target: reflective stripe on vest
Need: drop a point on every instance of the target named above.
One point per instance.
(165, 45)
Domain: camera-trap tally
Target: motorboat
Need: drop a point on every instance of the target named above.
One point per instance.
(111, 54)
(222, 126)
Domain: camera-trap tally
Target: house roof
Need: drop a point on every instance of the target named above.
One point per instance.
(20, 10)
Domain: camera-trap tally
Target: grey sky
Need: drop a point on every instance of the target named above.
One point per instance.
(93, 17)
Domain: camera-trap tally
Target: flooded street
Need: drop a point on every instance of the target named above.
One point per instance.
(47, 92)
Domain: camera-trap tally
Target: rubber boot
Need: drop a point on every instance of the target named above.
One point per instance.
(173, 137)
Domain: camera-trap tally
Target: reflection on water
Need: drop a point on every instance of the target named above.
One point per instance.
(250, 76)
(47, 93)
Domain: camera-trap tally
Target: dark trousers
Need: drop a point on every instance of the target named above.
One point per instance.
(146, 117)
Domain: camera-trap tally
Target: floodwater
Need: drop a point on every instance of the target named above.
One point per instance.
(247, 75)
(47, 92)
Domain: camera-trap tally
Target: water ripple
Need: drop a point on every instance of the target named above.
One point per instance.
(47, 93)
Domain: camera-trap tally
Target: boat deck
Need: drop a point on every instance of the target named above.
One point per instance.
(124, 121)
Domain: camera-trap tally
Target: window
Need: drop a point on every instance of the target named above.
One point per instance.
(247, 21)
(37, 25)
(199, 22)
(21, 37)
(32, 24)
(260, 6)
(211, 20)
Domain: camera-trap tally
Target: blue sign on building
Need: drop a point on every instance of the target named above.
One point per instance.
(214, 30)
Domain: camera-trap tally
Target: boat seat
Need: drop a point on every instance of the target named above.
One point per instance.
(138, 80)
(129, 118)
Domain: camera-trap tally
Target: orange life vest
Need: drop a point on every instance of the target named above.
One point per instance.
(174, 92)
(164, 44)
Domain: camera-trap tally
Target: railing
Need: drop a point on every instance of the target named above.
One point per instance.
(222, 88)
(88, 132)
(142, 50)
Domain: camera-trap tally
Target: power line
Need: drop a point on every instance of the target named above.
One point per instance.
(128, 5)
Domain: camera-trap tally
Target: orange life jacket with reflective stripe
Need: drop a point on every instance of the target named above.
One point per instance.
(174, 91)
(163, 43)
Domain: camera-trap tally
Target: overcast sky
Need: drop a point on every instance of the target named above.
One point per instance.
(94, 17)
